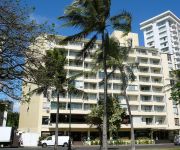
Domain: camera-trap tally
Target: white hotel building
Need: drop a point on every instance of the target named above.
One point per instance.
(153, 112)
(163, 32)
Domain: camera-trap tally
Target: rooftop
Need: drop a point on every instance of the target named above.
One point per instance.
(167, 14)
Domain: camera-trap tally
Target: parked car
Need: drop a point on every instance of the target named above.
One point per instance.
(50, 140)
(177, 140)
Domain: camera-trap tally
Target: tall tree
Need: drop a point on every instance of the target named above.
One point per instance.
(13, 119)
(92, 18)
(175, 89)
(52, 75)
(117, 57)
(115, 114)
(17, 33)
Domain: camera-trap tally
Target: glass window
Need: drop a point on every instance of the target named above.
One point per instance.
(45, 120)
(61, 105)
(76, 106)
(117, 87)
(49, 138)
(88, 106)
(132, 88)
(176, 120)
(92, 96)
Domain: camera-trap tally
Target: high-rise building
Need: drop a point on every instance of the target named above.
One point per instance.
(153, 112)
(163, 32)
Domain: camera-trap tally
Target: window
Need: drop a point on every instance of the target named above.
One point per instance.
(49, 138)
(90, 86)
(45, 120)
(90, 76)
(146, 108)
(101, 75)
(145, 88)
(92, 96)
(143, 69)
(154, 53)
(61, 105)
(176, 120)
(159, 120)
(76, 43)
(101, 86)
(158, 98)
(132, 88)
(76, 106)
(147, 120)
(119, 97)
(88, 106)
(73, 53)
(175, 109)
(116, 87)
(146, 98)
(159, 108)
(79, 84)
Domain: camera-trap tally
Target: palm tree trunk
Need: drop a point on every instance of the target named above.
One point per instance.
(104, 143)
(69, 145)
(57, 121)
(131, 122)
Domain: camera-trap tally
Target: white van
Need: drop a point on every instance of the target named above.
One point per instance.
(50, 140)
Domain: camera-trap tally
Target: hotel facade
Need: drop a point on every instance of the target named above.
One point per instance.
(163, 32)
(154, 115)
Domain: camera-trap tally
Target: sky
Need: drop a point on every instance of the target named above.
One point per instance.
(141, 10)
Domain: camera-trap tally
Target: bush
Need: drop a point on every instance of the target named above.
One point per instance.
(123, 141)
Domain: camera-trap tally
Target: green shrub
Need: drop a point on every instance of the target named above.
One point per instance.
(124, 141)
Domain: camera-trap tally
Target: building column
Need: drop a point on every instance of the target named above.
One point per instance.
(4, 119)
(89, 134)
(151, 134)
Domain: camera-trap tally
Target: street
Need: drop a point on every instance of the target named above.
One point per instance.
(138, 147)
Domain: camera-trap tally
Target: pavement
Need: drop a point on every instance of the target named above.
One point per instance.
(95, 147)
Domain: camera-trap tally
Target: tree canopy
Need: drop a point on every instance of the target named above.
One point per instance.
(18, 36)
(115, 115)
(175, 90)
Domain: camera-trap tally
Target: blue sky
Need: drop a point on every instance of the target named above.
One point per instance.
(49, 10)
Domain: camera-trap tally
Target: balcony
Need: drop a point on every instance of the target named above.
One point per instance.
(145, 98)
(146, 108)
(144, 70)
(90, 86)
(159, 109)
(147, 121)
(155, 71)
(145, 88)
(157, 90)
(155, 62)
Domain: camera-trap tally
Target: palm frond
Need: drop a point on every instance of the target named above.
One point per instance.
(122, 22)
(87, 47)
(75, 37)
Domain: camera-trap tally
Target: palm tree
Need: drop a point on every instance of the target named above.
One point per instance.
(117, 55)
(73, 89)
(52, 74)
(92, 18)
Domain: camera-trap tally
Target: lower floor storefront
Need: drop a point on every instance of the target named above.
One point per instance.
(84, 134)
